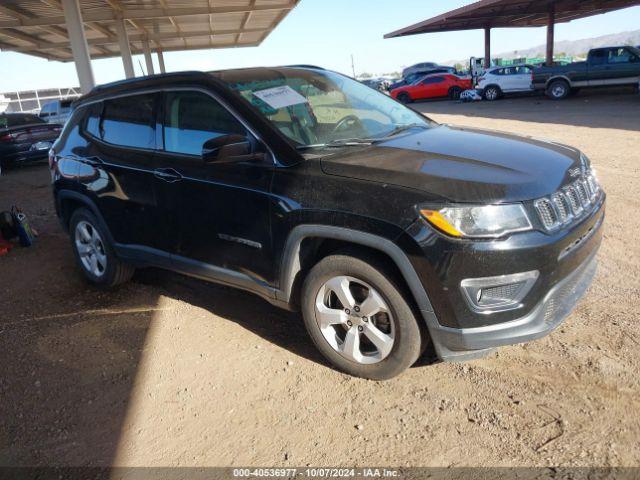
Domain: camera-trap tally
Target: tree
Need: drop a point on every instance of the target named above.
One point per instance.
(365, 75)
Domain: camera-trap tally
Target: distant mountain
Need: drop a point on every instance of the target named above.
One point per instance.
(577, 47)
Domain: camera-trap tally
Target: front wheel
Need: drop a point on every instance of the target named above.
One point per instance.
(94, 254)
(454, 93)
(405, 98)
(358, 318)
(492, 93)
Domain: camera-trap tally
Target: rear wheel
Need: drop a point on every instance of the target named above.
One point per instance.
(404, 98)
(94, 254)
(558, 90)
(454, 93)
(492, 93)
(358, 319)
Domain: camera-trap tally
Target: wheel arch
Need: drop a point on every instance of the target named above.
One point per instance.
(495, 85)
(293, 260)
(558, 77)
(69, 201)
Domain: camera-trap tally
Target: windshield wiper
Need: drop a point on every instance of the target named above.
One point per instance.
(401, 129)
(347, 142)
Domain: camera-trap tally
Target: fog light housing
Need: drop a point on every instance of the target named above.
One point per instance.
(498, 294)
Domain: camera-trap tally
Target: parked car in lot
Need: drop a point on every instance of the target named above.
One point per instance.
(57, 111)
(433, 86)
(498, 81)
(418, 67)
(604, 67)
(414, 77)
(388, 230)
(376, 84)
(24, 137)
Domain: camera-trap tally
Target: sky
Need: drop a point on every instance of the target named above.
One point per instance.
(326, 33)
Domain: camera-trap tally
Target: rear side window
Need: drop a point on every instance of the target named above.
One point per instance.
(130, 121)
(192, 118)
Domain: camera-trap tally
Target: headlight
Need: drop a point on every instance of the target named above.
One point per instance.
(480, 221)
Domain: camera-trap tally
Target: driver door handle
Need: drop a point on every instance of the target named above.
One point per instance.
(168, 175)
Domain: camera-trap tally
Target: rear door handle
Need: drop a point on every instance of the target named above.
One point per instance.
(168, 175)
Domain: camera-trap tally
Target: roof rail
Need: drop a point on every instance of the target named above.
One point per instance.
(303, 66)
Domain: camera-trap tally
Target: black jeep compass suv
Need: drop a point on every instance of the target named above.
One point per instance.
(387, 230)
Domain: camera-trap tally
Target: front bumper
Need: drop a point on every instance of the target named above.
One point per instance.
(454, 344)
(565, 260)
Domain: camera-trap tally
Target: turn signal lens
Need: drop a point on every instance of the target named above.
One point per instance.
(436, 219)
(479, 221)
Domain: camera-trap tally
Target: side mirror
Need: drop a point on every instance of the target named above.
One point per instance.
(229, 148)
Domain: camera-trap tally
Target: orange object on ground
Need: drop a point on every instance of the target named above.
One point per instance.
(5, 247)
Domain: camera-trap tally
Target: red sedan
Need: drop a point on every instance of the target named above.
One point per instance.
(433, 86)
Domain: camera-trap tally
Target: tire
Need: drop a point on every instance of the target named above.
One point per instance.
(492, 93)
(454, 93)
(91, 247)
(334, 328)
(558, 90)
(405, 98)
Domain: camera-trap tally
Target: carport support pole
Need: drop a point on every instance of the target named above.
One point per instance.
(551, 24)
(147, 58)
(161, 62)
(125, 49)
(79, 47)
(487, 47)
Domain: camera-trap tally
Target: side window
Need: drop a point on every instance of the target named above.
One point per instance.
(192, 118)
(130, 121)
(619, 55)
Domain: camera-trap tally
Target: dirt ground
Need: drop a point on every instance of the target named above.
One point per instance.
(168, 371)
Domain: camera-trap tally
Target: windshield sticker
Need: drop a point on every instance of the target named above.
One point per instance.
(280, 97)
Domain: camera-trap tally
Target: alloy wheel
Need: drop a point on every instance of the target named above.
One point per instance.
(558, 91)
(90, 248)
(355, 320)
(491, 94)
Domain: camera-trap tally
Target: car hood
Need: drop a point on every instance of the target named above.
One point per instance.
(461, 164)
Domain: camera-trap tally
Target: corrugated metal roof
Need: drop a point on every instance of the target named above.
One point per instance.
(512, 13)
(37, 27)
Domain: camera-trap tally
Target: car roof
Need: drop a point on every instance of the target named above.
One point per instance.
(153, 81)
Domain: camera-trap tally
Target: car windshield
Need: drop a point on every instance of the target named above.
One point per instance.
(322, 109)
(17, 119)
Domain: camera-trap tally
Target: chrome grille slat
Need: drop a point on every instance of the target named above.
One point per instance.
(569, 204)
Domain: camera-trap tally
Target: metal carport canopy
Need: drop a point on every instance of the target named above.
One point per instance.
(487, 14)
(81, 30)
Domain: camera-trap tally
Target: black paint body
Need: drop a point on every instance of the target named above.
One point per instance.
(238, 223)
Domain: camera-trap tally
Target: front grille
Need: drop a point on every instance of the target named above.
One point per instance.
(568, 205)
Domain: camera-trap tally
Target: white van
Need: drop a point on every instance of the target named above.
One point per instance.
(56, 112)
